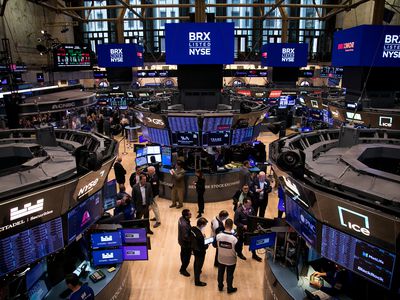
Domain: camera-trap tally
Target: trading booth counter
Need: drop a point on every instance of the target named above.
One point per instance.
(281, 283)
(228, 182)
(115, 285)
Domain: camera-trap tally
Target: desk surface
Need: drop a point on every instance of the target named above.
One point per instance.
(97, 287)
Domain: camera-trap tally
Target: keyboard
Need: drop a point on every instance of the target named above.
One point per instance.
(38, 291)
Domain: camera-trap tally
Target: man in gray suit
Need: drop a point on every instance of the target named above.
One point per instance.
(244, 175)
(142, 196)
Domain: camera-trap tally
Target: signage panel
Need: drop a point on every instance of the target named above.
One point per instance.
(120, 55)
(106, 239)
(199, 43)
(284, 55)
(72, 57)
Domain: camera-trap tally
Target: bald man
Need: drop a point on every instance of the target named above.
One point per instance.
(261, 189)
(152, 178)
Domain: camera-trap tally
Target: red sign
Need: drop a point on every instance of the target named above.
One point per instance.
(275, 94)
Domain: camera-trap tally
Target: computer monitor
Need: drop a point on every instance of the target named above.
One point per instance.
(35, 273)
(107, 257)
(141, 161)
(110, 194)
(153, 150)
(134, 235)
(106, 239)
(141, 223)
(156, 156)
(166, 159)
(255, 223)
(135, 253)
(262, 241)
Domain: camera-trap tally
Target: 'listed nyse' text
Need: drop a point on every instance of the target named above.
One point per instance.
(391, 48)
(199, 43)
(288, 54)
(116, 55)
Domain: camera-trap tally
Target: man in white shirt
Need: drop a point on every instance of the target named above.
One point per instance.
(226, 242)
(217, 226)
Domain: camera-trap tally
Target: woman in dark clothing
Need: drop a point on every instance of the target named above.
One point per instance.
(200, 189)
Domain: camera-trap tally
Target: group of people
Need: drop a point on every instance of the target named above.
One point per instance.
(145, 191)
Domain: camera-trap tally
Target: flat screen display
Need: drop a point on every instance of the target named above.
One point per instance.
(199, 43)
(262, 241)
(182, 124)
(84, 215)
(99, 74)
(119, 55)
(141, 161)
(284, 55)
(141, 152)
(30, 245)
(216, 138)
(306, 73)
(72, 57)
(135, 253)
(35, 273)
(109, 194)
(189, 139)
(166, 158)
(39, 77)
(301, 221)
(367, 260)
(159, 136)
(242, 135)
(153, 150)
(217, 124)
(107, 257)
(106, 239)
(331, 72)
(156, 156)
(134, 235)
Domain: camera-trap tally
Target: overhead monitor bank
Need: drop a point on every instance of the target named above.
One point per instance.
(284, 55)
(199, 43)
(367, 46)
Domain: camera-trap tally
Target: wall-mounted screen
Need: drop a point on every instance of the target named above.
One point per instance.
(106, 239)
(189, 139)
(120, 55)
(107, 257)
(216, 138)
(72, 57)
(182, 124)
(358, 256)
(109, 194)
(284, 55)
(242, 135)
(30, 245)
(159, 136)
(157, 158)
(84, 215)
(217, 124)
(301, 221)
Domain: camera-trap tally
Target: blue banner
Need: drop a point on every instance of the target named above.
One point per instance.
(367, 45)
(199, 43)
(284, 55)
(120, 55)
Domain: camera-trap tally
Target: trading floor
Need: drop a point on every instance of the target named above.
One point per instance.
(159, 278)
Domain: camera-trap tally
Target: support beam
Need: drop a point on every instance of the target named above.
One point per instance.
(277, 3)
(59, 10)
(200, 11)
(127, 6)
(347, 8)
(3, 8)
(378, 12)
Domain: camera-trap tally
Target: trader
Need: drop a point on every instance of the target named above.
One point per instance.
(226, 243)
(120, 172)
(178, 187)
(241, 220)
(184, 240)
(199, 249)
(79, 291)
(261, 188)
(240, 195)
(217, 226)
(244, 175)
(142, 195)
(152, 178)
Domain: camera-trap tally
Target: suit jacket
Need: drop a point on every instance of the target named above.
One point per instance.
(137, 195)
(119, 172)
(197, 241)
(155, 184)
(244, 177)
(132, 179)
(178, 179)
(241, 217)
(267, 189)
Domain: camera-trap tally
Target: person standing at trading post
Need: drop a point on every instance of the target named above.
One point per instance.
(261, 188)
(142, 195)
(217, 226)
(240, 195)
(226, 243)
(244, 174)
(199, 249)
(200, 189)
(79, 291)
(119, 172)
(184, 240)
(178, 185)
(152, 178)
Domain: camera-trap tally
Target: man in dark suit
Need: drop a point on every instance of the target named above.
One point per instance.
(240, 195)
(119, 172)
(135, 177)
(261, 188)
(244, 175)
(142, 195)
(241, 221)
(199, 249)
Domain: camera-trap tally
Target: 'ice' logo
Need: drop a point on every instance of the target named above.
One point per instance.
(349, 219)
